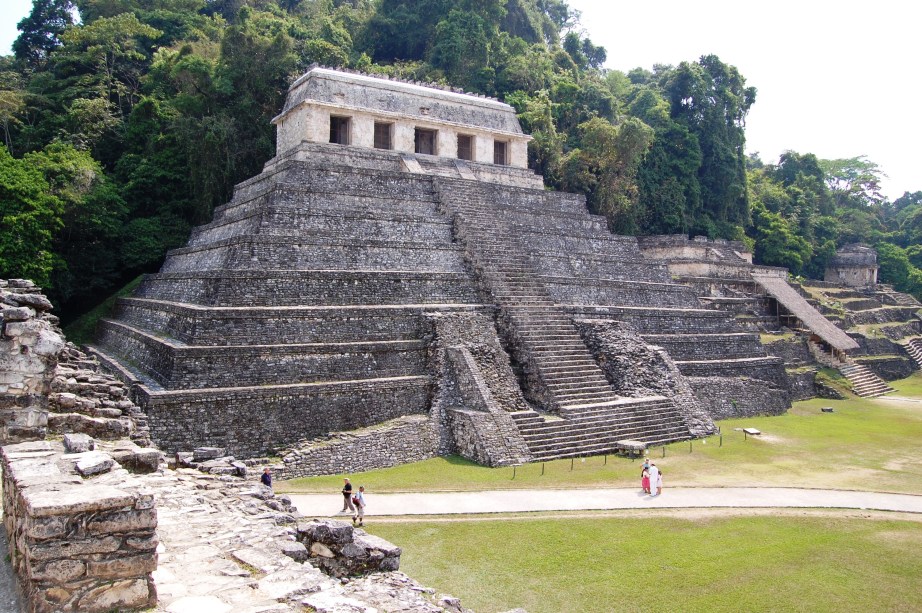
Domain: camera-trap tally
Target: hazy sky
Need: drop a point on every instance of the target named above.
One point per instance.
(838, 79)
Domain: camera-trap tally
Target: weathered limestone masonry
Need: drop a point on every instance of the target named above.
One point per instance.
(353, 109)
(405, 439)
(478, 393)
(853, 265)
(76, 545)
(50, 386)
(330, 295)
(638, 369)
(882, 324)
(28, 354)
(885, 324)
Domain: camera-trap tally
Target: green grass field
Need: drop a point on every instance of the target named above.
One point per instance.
(865, 444)
(660, 563)
(687, 560)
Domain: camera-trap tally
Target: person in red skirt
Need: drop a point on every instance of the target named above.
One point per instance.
(645, 477)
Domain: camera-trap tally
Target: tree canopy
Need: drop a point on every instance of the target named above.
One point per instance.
(126, 121)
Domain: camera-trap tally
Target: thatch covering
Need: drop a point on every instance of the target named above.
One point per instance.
(779, 289)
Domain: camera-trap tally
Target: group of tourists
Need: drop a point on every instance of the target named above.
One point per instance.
(651, 478)
(354, 501)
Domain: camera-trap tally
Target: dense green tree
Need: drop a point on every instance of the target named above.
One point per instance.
(711, 100)
(40, 31)
(30, 216)
(604, 167)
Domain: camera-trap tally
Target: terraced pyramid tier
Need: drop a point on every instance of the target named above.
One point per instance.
(299, 310)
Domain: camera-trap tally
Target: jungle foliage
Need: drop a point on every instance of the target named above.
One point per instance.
(125, 122)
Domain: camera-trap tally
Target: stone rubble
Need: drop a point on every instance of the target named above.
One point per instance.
(48, 385)
(241, 541)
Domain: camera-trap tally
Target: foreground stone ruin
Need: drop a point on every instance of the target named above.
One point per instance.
(104, 525)
(76, 544)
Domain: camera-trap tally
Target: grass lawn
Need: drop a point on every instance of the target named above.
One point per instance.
(867, 444)
(687, 560)
(662, 563)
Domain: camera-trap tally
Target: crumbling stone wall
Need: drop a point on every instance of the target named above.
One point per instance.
(28, 354)
(48, 385)
(76, 545)
(637, 370)
(476, 390)
(399, 441)
(740, 396)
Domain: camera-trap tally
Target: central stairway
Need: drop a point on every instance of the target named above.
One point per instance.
(586, 416)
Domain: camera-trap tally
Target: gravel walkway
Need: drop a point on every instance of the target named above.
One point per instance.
(518, 501)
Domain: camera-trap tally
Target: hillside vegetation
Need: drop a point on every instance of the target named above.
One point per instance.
(125, 122)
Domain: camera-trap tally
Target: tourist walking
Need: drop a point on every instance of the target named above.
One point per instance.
(347, 497)
(266, 477)
(654, 475)
(645, 478)
(659, 483)
(359, 501)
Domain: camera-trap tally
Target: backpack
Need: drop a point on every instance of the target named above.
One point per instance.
(356, 501)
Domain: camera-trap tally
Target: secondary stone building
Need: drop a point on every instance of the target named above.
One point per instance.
(397, 272)
(853, 265)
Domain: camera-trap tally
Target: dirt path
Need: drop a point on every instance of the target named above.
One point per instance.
(573, 500)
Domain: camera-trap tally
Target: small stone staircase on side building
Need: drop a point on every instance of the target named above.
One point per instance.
(864, 382)
(914, 349)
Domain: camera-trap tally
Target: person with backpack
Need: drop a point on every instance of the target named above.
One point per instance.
(359, 502)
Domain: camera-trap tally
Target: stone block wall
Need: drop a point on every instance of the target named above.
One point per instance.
(803, 384)
(292, 288)
(741, 396)
(400, 441)
(651, 320)
(76, 546)
(182, 420)
(216, 326)
(888, 368)
(310, 253)
(178, 366)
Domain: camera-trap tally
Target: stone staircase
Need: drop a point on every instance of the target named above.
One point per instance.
(591, 432)
(914, 349)
(864, 382)
(563, 375)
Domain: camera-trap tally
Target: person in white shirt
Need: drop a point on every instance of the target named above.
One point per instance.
(359, 501)
(654, 476)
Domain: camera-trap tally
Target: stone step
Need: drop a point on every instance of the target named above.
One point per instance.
(592, 420)
(613, 434)
(608, 446)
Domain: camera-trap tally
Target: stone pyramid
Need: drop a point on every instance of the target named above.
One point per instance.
(397, 267)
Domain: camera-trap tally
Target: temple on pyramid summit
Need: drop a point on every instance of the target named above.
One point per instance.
(396, 284)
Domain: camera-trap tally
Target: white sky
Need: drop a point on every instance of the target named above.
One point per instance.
(838, 79)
